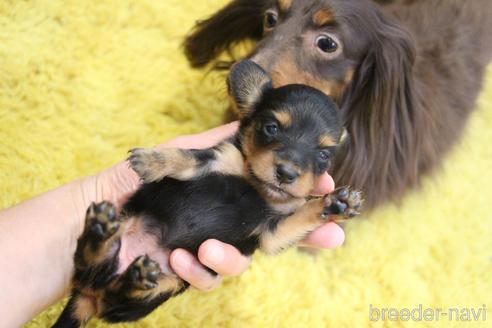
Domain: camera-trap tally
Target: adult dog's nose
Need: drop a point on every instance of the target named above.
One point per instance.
(286, 173)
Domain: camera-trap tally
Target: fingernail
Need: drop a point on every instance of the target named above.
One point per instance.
(214, 255)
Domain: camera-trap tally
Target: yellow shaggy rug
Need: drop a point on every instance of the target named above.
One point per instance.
(81, 82)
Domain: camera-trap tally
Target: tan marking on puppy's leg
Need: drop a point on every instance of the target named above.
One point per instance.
(83, 308)
(144, 279)
(154, 165)
(288, 206)
(342, 203)
(103, 253)
(283, 117)
(228, 160)
(166, 284)
(102, 230)
(293, 228)
(323, 17)
(186, 164)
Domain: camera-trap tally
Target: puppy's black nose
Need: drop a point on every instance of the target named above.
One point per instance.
(286, 173)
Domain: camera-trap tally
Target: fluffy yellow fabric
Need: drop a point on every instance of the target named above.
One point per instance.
(83, 81)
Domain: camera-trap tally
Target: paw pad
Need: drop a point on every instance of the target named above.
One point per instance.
(342, 202)
(144, 272)
(101, 220)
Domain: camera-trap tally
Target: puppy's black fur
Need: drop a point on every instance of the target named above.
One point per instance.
(251, 191)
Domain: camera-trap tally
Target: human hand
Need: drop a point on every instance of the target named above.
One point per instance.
(116, 184)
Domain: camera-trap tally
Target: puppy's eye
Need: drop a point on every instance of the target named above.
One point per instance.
(270, 129)
(326, 44)
(270, 20)
(323, 155)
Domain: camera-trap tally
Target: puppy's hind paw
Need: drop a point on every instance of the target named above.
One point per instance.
(101, 220)
(143, 273)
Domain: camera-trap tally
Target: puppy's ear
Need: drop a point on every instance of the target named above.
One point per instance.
(381, 116)
(239, 20)
(247, 82)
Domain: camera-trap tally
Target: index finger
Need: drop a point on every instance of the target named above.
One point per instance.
(205, 139)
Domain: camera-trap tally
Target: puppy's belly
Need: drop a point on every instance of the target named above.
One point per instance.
(184, 214)
(136, 242)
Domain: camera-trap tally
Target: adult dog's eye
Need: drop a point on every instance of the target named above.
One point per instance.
(270, 20)
(270, 129)
(326, 44)
(323, 155)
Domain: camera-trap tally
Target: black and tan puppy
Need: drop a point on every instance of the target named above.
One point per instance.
(250, 191)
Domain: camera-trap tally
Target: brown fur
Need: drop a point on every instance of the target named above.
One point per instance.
(323, 17)
(287, 72)
(284, 4)
(406, 76)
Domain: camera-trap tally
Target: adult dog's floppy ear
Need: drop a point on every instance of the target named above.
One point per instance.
(246, 84)
(381, 116)
(239, 20)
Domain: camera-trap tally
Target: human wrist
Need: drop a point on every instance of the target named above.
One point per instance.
(115, 184)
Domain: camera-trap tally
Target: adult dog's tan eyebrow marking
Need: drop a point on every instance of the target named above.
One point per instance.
(286, 72)
(284, 5)
(323, 17)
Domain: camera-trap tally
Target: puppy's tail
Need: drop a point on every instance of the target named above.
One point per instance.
(78, 310)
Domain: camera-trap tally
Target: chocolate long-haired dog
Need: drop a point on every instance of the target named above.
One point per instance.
(405, 75)
(250, 191)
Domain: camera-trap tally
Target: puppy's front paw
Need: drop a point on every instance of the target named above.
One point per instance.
(148, 164)
(143, 273)
(342, 202)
